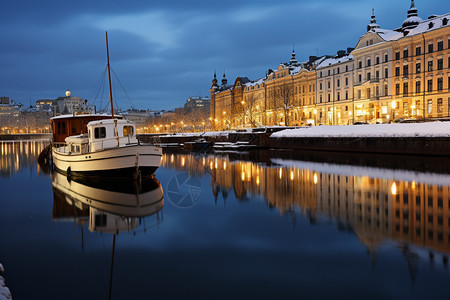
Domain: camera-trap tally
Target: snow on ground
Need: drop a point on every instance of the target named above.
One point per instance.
(372, 172)
(206, 133)
(5, 294)
(430, 129)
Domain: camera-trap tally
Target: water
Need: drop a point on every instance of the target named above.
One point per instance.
(259, 225)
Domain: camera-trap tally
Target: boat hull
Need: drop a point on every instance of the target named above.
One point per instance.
(114, 162)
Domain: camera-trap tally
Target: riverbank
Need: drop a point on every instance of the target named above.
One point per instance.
(431, 139)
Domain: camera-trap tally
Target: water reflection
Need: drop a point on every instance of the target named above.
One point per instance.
(378, 205)
(20, 155)
(109, 207)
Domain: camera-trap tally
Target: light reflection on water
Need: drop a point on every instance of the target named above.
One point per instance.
(266, 226)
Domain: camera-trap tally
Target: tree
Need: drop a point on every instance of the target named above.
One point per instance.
(283, 97)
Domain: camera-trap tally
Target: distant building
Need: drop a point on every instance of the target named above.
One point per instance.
(62, 105)
(196, 103)
(139, 116)
(4, 100)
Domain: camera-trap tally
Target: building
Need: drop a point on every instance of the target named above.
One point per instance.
(197, 103)
(390, 75)
(63, 105)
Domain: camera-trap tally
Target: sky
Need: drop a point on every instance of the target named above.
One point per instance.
(165, 51)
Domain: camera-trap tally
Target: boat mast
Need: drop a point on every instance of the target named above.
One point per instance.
(109, 77)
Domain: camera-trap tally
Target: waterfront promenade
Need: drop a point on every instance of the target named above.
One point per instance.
(432, 138)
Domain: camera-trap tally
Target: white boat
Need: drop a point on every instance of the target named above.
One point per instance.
(108, 148)
(105, 152)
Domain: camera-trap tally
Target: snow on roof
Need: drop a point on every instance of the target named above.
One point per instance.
(430, 129)
(80, 116)
(256, 82)
(422, 27)
(335, 60)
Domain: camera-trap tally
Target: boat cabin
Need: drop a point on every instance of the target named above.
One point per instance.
(102, 135)
(67, 125)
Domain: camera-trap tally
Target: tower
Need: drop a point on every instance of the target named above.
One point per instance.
(412, 18)
(373, 22)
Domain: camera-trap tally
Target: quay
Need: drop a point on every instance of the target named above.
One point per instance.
(428, 139)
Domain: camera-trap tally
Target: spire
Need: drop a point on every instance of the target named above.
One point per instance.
(214, 81)
(373, 22)
(224, 79)
(293, 59)
(412, 17)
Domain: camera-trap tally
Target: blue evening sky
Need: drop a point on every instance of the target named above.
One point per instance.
(166, 51)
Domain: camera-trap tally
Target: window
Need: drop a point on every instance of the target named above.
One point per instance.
(338, 83)
(329, 85)
(368, 93)
(368, 76)
(397, 89)
(430, 85)
(440, 84)
(127, 130)
(320, 86)
(329, 97)
(386, 73)
(440, 45)
(397, 55)
(386, 90)
(430, 48)
(397, 71)
(417, 86)
(320, 74)
(320, 99)
(440, 64)
(346, 95)
(405, 89)
(359, 77)
(377, 60)
(368, 63)
(405, 53)
(359, 94)
(338, 96)
(430, 111)
(417, 68)
(405, 70)
(329, 72)
(359, 64)
(337, 71)
(377, 74)
(100, 132)
(430, 66)
(418, 51)
(346, 81)
(386, 58)
(440, 106)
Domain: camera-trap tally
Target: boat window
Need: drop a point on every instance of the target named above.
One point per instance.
(127, 130)
(100, 132)
(100, 220)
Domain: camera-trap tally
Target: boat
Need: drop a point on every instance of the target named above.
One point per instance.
(199, 145)
(238, 146)
(103, 147)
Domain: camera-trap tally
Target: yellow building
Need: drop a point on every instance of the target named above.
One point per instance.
(390, 75)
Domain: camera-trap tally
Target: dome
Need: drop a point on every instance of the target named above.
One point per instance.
(68, 93)
(412, 19)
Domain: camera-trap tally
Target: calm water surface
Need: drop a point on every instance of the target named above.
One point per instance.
(261, 225)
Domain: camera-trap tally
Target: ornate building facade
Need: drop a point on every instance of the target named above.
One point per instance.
(390, 75)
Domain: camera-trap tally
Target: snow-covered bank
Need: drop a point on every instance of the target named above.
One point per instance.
(371, 172)
(5, 294)
(430, 129)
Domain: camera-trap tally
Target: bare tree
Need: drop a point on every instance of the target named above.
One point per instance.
(283, 97)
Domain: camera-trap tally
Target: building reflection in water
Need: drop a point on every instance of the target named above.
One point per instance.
(20, 155)
(378, 205)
